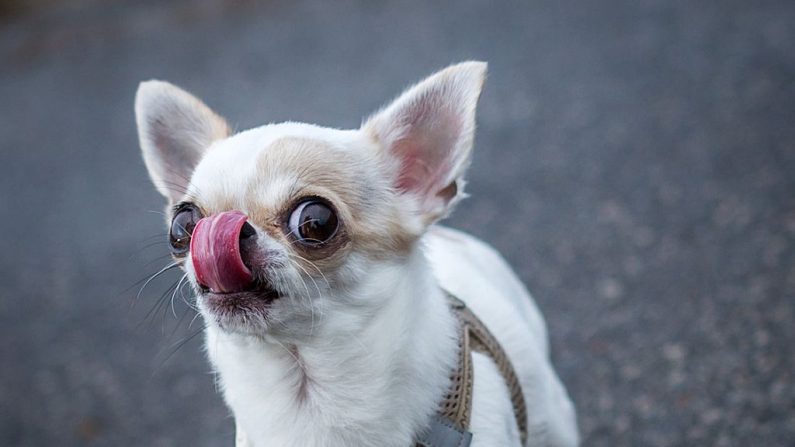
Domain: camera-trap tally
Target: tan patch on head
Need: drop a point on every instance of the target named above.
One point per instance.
(292, 169)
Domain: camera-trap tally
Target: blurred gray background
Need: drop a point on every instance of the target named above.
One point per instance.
(635, 162)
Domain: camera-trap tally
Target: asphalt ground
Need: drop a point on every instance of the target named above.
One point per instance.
(635, 162)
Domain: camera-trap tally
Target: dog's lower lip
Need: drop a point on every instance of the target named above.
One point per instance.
(258, 294)
(239, 304)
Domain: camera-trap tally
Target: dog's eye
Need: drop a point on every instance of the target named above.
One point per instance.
(181, 229)
(313, 222)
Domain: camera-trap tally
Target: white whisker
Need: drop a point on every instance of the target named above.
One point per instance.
(174, 295)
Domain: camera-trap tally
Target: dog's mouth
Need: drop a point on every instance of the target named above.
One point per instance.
(229, 267)
(255, 301)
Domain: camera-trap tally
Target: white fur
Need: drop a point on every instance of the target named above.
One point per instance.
(364, 389)
(364, 362)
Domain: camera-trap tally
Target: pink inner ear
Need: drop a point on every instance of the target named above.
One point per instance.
(418, 169)
(426, 153)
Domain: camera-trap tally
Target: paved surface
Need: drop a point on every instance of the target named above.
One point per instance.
(635, 162)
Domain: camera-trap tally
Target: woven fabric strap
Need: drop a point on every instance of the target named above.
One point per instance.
(456, 406)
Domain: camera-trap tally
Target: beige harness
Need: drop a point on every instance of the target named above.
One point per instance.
(450, 427)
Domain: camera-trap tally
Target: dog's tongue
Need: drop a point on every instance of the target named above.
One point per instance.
(215, 251)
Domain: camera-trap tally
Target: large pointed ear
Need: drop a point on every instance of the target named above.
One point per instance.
(174, 129)
(429, 130)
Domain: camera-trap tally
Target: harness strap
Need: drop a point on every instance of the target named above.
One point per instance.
(449, 427)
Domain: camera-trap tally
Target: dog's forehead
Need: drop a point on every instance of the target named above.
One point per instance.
(267, 165)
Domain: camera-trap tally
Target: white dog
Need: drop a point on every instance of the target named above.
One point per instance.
(323, 280)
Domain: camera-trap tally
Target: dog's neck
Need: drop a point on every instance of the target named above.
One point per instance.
(376, 385)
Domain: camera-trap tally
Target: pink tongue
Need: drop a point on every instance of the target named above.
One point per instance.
(215, 251)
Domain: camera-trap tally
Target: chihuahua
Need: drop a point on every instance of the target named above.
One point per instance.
(322, 276)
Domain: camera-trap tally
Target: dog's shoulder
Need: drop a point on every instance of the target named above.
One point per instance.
(477, 274)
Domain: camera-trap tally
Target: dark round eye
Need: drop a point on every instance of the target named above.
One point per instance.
(313, 222)
(181, 229)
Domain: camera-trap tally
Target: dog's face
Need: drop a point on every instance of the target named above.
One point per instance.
(285, 230)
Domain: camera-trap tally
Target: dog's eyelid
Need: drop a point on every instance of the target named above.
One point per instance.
(181, 206)
(176, 208)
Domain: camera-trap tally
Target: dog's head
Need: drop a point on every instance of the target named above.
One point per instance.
(284, 227)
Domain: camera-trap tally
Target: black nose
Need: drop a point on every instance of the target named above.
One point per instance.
(248, 245)
(247, 232)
